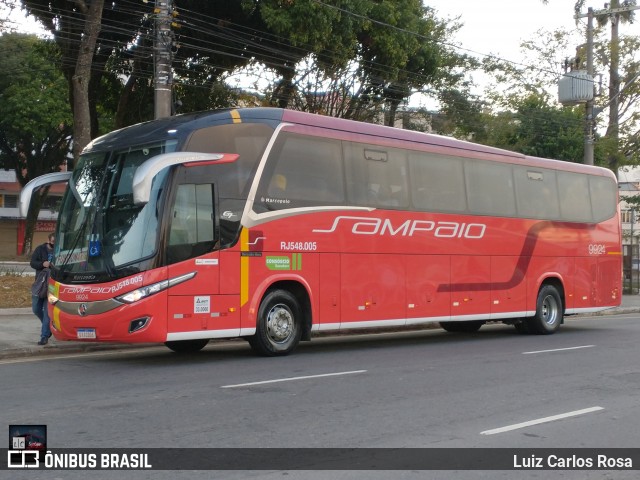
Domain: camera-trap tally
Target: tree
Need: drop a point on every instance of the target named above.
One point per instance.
(75, 26)
(613, 59)
(90, 20)
(523, 98)
(351, 58)
(369, 54)
(103, 44)
(540, 130)
(35, 118)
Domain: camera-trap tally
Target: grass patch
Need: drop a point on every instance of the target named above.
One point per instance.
(15, 290)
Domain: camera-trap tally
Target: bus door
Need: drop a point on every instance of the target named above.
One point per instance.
(191, 248)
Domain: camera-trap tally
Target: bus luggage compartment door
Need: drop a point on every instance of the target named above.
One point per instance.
(195, 306)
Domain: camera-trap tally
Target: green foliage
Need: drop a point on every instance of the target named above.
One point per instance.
(349, 58)
(537, 125)
(540, 130)
(35, 118)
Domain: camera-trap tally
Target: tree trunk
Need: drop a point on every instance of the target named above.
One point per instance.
(613, 130)
(391, 117)
(82, 75)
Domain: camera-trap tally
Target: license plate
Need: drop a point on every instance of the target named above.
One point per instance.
(86, 333)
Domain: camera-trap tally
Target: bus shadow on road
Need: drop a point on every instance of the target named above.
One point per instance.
(235, 350)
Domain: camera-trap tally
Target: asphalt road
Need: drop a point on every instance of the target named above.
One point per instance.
(578, 388)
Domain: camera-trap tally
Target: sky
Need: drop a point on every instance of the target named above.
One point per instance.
(497, 27)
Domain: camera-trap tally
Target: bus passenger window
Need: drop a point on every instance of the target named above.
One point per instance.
(301, 171)
(490, 188)
(278, 186)
(575, 203)
(603, 194)
(376, 175)
(537, 193)
(437, 183)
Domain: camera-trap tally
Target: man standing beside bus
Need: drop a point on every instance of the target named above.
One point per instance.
(40, 260)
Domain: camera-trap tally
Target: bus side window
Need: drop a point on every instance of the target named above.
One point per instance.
(490, 188)
(575, 203)
(603, 193)
(536, 193)
(302, 171)
(437, 183)
(376, 175)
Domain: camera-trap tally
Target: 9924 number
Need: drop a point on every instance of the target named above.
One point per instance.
(597, 249)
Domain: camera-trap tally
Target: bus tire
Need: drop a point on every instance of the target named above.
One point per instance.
(187, 346)
(279, 326)
(549, 312)
(466, 327)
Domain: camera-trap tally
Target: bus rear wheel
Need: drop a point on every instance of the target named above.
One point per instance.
(279, 324)
(187, 346)
(467, 327)
(549, 312)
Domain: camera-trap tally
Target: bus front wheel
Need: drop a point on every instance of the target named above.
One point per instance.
(279, 324)
(187, 346)
(549, 312)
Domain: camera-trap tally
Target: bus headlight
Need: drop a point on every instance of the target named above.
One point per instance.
(143, 292)
(152, 289)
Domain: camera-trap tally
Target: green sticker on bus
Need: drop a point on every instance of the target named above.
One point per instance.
(278, 263)
(284, 262)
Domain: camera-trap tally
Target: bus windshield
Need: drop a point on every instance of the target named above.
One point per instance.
(101, 232)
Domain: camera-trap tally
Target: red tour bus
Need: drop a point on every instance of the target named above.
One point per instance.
(270, 225)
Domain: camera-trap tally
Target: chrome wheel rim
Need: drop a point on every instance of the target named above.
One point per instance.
(549, 310)
(280, 323)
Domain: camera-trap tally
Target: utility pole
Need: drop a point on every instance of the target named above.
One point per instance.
(162, 59)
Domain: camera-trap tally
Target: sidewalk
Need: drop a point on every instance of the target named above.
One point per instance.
(20, 332)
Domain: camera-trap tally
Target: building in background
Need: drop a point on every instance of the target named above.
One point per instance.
(629, 186)
(12, 227)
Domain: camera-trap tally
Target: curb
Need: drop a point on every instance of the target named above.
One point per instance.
(15, 311)
(71, 348)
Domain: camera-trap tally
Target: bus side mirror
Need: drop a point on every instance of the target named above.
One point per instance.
(36, 184)
(145, 173)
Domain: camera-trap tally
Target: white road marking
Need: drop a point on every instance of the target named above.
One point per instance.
(553, 418)
(558, 349)
(291, 379)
